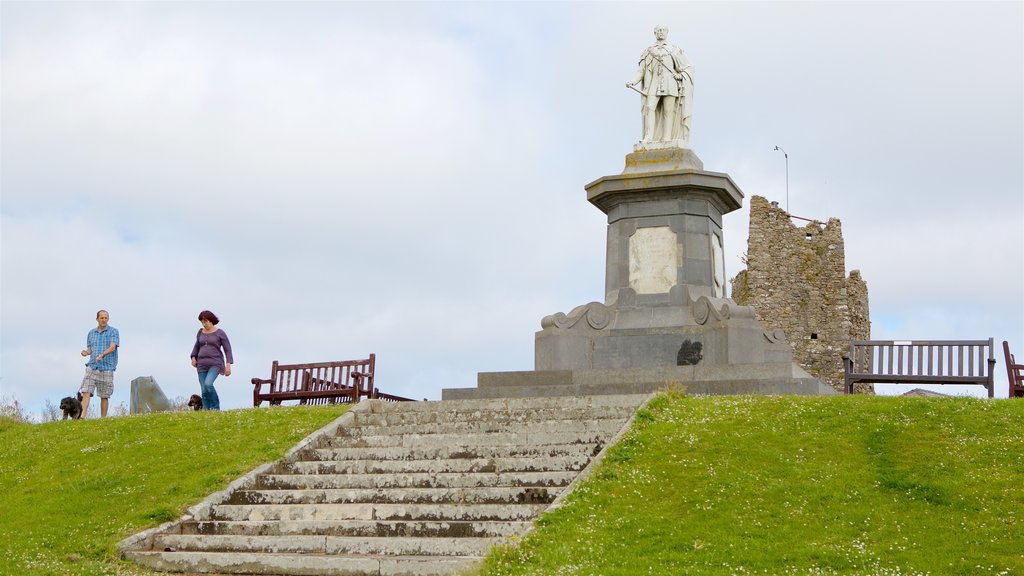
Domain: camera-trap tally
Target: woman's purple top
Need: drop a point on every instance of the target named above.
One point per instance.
(207, 351)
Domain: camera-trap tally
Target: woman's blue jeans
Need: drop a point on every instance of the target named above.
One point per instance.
(210, 399)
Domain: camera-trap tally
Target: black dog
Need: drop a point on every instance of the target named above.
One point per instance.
(72, 407)
(195, 402)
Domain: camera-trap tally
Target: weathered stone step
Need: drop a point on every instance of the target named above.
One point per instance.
(553, 393)
(486, 428)
(337, 448)
(490, 495)
(413, 480)
(300, 564)
(475, 465)
(312, 544)
(380, 528)
(421, 512)
(400, 418)
(458, 406)
(538, 438)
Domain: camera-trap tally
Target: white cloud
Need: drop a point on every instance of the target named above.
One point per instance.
(335, 178)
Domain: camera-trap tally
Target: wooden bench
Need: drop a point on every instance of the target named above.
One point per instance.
(920, 362)
(1014, 373)
(345, 381)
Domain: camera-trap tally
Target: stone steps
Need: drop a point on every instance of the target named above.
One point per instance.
(374, 511)
(511, 405)
(536, 437)
(318, 544)
(335, 449)
(469, 495)
(461, 465)
(776, 376)
(326, 481)
(408, 488)
(301, 564)
(484, 392)
(461, 416)
(473, 429)
(381, 528)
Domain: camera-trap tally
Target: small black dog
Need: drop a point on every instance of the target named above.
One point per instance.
(195, 402)
(72, 407)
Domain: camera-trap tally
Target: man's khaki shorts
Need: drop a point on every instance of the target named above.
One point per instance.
(98, 382)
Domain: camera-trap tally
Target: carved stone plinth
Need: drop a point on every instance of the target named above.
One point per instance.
(707, 331)
(661, 157)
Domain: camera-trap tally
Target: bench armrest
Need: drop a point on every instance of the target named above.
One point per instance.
(258, 384)
(257, 387)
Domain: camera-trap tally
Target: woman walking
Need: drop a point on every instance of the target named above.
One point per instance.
(208, 357)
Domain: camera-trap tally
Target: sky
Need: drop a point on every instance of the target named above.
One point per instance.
(335, 179)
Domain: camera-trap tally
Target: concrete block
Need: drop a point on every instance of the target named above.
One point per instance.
(147, 396)
(542, 378)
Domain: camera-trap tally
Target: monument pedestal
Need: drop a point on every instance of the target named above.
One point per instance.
(665, 319)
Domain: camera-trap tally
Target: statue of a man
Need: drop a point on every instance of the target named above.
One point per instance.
(665, 80)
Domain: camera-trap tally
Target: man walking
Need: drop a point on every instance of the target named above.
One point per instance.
(101, 347)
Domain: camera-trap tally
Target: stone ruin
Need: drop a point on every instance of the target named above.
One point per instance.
(796, 281)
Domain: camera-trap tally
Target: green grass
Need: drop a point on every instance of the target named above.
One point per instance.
(710, 485)
(795, 485)
(71, 490)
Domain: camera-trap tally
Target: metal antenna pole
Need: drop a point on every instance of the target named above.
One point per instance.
(787, 176)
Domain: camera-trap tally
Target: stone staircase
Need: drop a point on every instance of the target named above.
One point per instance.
(416, 488)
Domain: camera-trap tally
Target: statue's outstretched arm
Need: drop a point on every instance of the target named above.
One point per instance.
(636, 78)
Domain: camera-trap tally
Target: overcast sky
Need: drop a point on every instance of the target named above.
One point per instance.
(339, 178)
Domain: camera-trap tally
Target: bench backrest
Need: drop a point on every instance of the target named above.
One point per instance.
(920, 362)
(1014, 373)
(323, 376)
(969, 358)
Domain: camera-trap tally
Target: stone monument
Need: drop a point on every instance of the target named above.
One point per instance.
(665, 319)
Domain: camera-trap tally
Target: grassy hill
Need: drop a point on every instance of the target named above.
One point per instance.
(71, 490)
(792, 485)
(712, 485)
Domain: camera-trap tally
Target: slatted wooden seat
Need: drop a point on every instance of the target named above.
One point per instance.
(344, 381)
(920, 362)
(1014, 373)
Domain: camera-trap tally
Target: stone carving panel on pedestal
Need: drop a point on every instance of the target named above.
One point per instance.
(654, 259)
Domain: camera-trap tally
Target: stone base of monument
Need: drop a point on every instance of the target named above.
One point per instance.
(696, 380)
(665, 321)
(704, 332)
(712, 346)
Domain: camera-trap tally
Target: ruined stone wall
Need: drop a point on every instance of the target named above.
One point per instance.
(796, 280)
